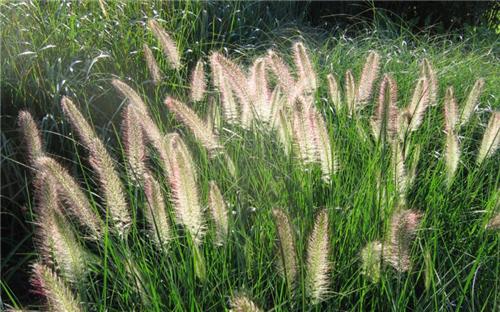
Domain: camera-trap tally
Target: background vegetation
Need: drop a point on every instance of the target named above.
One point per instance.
(50, 49)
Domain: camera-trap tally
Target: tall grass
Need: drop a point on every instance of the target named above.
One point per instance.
(442, 254)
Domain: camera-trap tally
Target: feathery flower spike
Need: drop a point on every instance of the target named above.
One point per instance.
(153, 68)
(452, 155)
(334, 90)
(386, 114)
(371, 257)
(491, 138)
(287, 266)
(243, 304)
(318, 266)
(166, 42)
(428, 72)
(133, 139)
(198, 85)
(304, 66)
(155, 212)
(350, 91)
(471, 102)
(367, 80)
(219, 212)
(419, 102)
(31, 135)
(281, 71)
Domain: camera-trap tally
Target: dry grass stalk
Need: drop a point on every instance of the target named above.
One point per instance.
(219, 212)
(491, 138)
(59, 296)
(155, 212)
(182, 179)
(367, 80)
(31, 135)
(166, 42)
(198, 84)
(135, 150)
(153, 68)
(103, 165)
(472, 101)
(69, 191)
(199, 128)
(287, 266)
(452, 155)
(318, 266)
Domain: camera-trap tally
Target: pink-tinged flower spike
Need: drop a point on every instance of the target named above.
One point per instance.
(31, 135)
(182, 179)
(103, 165)
(420, 100)
(491, 138)
(399, 174)
(305, 69)
(386, 114)
(229, 107)
(197, 126)
(371, 257)
(198, 85)
(452, 155)
(167, 44)
(429, 73)
(403, 227)
(153, 68)
(303, 136)
(135, 149)
(472, 101)
(334, 92)
(219, 212)
(59, 296)
(155, 212)
(287, 264)
(318, 266)
(350, 92)
(367, 80)
(70, 192)
(258, 87)
(281, 71)
(325, 153)
(55, 238)
(243, 304)
(149, 128)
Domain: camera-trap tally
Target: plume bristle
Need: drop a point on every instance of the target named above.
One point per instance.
(318, 266)
(155, 212)
(69, 190)
(59, 296)
(182, 179)
(166, 42)
(491, 138)
(367, 80)
(198, 83)
(103, 165)
(219, 212)
(287, 266)
(31, 135)
(153, 68)
(199, 128)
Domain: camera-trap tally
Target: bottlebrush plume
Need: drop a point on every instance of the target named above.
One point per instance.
(399, 170)
(326, 155)
(219, 212)
(199, 128)
(229, 106)
(471, 102)
(452, 155)
(386, 114)
(166, 42)
(182, 179)
(491, 138)
(59, 296)
(69, 190)
(429, 73)
(304, 66)
(318, 266)
(419, 102)
(371, 257)
(213, 118)
(367, 80)
(130, 94)
(281, 71)
(287, 264)
(243, 304)
(303, 130)
(153, 68)
(276, 103)
(403, 227)
(198, 84)
(155, 212)
(259, 91)
(334, 90)
(285, 133)
(494, 222)
(133, 139)
(55, 238)
(103, 165)
(350, 91)
(31, 135)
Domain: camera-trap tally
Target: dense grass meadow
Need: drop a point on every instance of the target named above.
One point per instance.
(213, 156)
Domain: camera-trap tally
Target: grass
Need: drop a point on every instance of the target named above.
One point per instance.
(455, 261)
